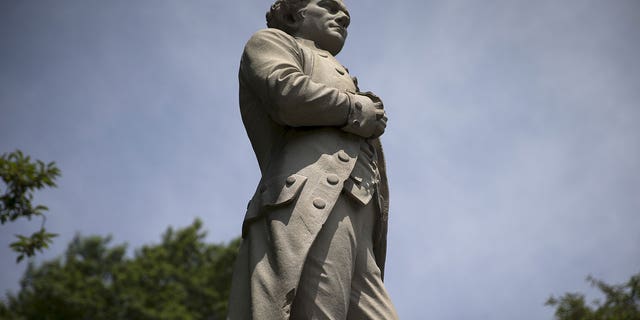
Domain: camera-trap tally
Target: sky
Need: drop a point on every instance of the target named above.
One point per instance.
(513, 144)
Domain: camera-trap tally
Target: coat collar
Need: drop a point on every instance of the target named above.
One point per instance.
(310, 44)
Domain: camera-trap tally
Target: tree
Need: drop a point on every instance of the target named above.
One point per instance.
(21, 178)
(622, 302)
(180, 278)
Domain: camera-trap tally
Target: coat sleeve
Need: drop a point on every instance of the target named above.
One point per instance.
(272, 67)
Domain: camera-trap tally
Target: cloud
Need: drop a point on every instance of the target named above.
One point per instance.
(512, 142)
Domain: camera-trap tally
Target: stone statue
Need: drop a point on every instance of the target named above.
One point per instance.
(314, 235)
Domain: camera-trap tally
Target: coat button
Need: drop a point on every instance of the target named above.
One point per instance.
(343, 156)
(319, 203)
(291, 180)
(333, 179)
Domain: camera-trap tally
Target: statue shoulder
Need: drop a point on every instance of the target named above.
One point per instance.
(272, 36)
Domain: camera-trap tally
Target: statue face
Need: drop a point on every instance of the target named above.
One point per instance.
(324, 22)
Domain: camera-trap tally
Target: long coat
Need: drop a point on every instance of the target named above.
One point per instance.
(294, 98)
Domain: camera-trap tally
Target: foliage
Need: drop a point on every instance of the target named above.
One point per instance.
(622, 302)
(21, 178)
(180, 278)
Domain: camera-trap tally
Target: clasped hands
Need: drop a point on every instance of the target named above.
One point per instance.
(367, 117)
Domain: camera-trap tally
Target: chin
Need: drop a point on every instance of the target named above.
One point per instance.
(334, 46)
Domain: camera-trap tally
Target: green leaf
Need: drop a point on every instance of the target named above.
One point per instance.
(622, 302)
(181, 277)
(21, 177)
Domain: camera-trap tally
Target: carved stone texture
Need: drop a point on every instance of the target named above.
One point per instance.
(314, 234)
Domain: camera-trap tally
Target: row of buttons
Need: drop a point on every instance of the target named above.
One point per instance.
(332, 179)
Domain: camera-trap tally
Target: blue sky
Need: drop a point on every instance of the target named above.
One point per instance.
(513, 142)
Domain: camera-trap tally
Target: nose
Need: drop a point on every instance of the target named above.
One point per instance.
(343, 19)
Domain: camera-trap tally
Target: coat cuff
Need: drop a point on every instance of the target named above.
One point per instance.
(355, 117)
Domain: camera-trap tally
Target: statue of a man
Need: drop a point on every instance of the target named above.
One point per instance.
(314, 235)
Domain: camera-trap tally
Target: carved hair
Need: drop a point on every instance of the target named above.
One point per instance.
(282, 13)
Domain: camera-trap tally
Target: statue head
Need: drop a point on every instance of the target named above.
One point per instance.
(324, 22)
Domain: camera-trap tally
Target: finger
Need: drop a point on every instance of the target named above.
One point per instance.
(380, 114)
(372, 96)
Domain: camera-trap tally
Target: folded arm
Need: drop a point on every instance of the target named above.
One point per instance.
(272, 67)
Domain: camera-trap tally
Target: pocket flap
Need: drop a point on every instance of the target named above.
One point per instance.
(281, 189)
